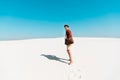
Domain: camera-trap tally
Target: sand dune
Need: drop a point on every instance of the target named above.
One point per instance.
(46, 59)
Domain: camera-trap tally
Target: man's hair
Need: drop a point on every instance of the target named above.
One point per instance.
(66, 25)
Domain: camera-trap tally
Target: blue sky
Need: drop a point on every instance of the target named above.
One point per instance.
(20, 19)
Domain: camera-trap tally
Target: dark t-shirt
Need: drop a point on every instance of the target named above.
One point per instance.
(68, 33)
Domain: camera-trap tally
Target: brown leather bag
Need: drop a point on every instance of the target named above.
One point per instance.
(69, 41)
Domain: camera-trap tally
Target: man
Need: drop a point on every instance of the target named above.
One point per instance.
(68, 41)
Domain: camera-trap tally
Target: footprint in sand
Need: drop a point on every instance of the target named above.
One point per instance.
(75, 74)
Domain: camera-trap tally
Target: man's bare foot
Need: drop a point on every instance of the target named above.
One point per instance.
(70, 62)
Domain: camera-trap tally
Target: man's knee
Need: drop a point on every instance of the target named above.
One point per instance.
(68, 49)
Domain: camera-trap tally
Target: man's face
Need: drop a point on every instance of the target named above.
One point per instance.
(66, 27)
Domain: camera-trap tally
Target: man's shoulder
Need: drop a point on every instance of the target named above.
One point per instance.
(68, 30)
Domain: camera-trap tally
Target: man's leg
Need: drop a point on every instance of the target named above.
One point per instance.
(69, 53)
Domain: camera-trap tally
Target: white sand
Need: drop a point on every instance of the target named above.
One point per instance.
(40, 59)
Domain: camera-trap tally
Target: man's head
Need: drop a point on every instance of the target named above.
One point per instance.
(66, 27)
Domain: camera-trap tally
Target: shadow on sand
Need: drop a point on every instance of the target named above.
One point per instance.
(53, 57)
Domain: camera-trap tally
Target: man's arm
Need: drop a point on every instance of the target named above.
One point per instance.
(70, 35)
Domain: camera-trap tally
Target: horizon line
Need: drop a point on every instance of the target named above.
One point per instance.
(56, 37)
